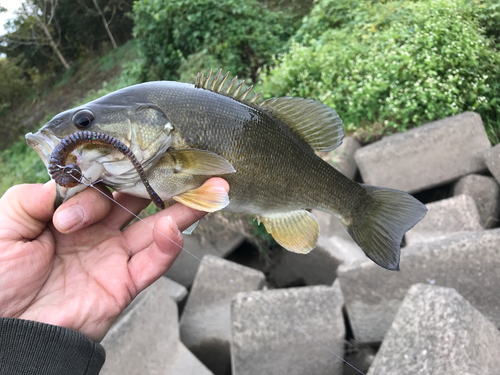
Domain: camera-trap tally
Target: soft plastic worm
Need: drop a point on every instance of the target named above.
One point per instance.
(71, 175)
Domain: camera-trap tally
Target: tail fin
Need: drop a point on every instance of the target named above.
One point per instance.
(380, 229)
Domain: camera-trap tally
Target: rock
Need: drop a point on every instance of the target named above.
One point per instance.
(199, 244)
(206, 324)
(486, 193)
(427, 156)
(492, 159)
(436, 331)
(265, 343)
(444, 218)
(145, 338)
(317, 267)
(175, 290)
(330, 226)
(468, 262)
(342, 158)
(359, 360)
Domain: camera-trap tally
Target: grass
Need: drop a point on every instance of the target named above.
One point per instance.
(20, 164)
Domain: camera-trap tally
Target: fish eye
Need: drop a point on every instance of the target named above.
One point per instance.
(83, 119)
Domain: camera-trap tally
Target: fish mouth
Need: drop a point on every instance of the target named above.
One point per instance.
(113, 169)
(43, 143)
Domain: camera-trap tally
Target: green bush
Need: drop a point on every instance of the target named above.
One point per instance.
(430, 61)
(242, 34)
(13, 85)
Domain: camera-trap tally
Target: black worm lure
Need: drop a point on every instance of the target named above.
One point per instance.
(71, 175)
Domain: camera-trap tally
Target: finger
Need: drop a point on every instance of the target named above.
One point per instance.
(184, 217)
(26, 209)
(151, 263)
(84, 209)
(119, 217)
(139, 235)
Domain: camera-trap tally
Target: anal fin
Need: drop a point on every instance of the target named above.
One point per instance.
(209, 197)
(296, 231)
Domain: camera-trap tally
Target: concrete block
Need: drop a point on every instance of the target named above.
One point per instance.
(175, 290)
(492, 159)
(342, 158)
(427, 156)
(317, 267)
(486, 193)
(330, 226)
(360, 359)
(205, 323)
(265, 343)
(203, 241)
(468, 262)
(444, 218)
(145, 339)
(436, 331)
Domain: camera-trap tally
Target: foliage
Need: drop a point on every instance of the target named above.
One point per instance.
(77, 30)
(488, 13)
(13, 85)
(430, 61)
(20, 164)
(195, 63)
(241, 34)
(294, 10)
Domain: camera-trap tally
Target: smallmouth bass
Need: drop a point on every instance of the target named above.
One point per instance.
(184, 134)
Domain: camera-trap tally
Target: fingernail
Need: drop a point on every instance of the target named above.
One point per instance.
(175, 230)
(69, 217)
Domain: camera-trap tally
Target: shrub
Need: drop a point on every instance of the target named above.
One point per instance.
(241, 34)
(13, 85)
(431, 61)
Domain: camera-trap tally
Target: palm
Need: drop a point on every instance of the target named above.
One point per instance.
(82, 279)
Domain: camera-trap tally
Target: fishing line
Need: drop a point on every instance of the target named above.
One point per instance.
(248, 294)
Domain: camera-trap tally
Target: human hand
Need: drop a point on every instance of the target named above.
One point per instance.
(82, 275)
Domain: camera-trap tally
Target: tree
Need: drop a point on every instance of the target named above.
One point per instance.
(39, 18)
(105, 22)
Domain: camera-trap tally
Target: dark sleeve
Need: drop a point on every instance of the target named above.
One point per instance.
(29, 348)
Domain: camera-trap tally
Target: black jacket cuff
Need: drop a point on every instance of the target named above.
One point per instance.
(28, 347)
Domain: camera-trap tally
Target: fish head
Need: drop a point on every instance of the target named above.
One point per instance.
(126, 115)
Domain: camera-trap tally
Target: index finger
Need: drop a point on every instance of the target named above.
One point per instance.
(140, 236)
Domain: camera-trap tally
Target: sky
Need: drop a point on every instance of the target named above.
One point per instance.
(11, 6)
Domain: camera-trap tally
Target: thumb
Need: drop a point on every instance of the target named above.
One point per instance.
(26, 209)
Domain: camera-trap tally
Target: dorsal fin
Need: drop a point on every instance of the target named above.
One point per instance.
(228, 87)
(318, 124)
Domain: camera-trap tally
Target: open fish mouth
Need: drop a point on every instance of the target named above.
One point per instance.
(43, 142)
(113, 168)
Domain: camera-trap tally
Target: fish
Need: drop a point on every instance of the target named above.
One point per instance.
(183, 134)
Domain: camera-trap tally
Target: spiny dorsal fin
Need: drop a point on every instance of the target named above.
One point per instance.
(225, 86)
(318, 124)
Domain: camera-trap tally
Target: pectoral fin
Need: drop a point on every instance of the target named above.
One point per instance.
(296, 231)
(208, 197)
(200, 162)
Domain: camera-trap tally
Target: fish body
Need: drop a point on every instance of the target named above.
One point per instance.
(184, 134)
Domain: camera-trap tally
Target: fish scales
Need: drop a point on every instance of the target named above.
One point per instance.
(275, 167)
(184, 134)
